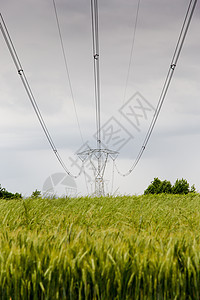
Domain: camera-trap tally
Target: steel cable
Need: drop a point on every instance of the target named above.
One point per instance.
(29, 92)
(167, 82)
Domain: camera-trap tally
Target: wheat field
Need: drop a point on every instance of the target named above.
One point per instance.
(139, 247)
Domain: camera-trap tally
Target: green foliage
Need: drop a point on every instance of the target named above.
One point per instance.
(7, 195)
(193, 189)
(181, 186)
(158, 187)
(154, 187)
(36, 194)
(144, 247)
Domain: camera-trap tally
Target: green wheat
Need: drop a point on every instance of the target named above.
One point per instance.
(141, 247)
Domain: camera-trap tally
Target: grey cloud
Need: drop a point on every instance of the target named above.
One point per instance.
(33, 29)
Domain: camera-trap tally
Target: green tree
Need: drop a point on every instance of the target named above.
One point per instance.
(153, 187)
(181, 186)
(36, 194)
(193, 189)
(158, 187)
(166, 187)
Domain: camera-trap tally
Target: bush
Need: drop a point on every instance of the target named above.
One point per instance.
(158, 187)
(181, 186)
(36, 194)
(7, 195)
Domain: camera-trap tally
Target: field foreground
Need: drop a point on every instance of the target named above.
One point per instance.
(140, 247)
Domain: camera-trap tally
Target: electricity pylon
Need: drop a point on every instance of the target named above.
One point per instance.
(98, 159)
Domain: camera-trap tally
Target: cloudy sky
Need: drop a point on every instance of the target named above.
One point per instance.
(26, 159)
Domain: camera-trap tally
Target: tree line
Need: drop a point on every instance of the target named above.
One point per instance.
(181, 186)
(8, 195)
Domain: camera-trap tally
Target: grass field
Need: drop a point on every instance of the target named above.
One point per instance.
(140, 247)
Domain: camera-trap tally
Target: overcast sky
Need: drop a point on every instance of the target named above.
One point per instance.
(26, 159)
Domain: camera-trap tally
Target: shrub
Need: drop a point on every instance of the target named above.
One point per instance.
(7, 195)
(36, 194)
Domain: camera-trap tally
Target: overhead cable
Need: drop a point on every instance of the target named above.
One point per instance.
(95, 41)
(167, 82)
(66, 68)
(29, 92)
(132, 49)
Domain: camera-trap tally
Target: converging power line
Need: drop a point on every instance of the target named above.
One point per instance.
(99, 156)
(29, 92)
(67, 69)
(167, 82)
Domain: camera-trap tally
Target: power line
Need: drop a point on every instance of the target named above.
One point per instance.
(29, 92)
(98, 157)
(68, 76)
(66, 68)
(132, 48)
(95, 41)
(167, 82)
